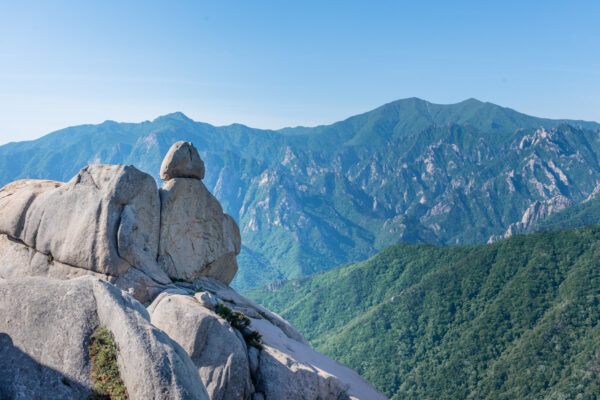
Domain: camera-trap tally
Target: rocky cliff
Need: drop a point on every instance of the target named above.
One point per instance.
(536, 212)
(109, 251)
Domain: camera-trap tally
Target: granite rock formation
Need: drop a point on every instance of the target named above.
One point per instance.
(112, 221)
(93, 252)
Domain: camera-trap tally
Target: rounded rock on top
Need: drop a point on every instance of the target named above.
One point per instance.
(182, 161)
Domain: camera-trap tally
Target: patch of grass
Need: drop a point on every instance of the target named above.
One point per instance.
(105, 371)
(50, 258)
(240, 321)
(174, 279)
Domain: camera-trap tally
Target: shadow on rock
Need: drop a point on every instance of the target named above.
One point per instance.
(23, 377)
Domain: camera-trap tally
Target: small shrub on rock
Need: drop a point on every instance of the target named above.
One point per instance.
(240, 321)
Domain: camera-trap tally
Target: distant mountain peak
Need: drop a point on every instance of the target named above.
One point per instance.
(418, 100)
(177, 115)
(473, 100)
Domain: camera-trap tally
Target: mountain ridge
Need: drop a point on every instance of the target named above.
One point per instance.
(179, 115)
(308, 199)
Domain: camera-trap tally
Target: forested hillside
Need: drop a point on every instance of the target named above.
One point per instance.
(516, 319)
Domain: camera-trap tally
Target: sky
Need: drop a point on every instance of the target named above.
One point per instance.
(272, 64)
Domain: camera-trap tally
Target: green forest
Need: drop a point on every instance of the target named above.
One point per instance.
(512, 320)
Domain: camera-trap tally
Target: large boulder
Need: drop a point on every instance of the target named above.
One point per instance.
(182, 161)
(213, 345)
(196, 237)
(282, 367)
(105, 222)
(105, 219)
(45, 331)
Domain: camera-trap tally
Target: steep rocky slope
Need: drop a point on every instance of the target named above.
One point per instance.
(80, 261)
(308, 199)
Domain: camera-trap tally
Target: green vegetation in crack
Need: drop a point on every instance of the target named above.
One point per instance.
(105, 371)
(240, 321)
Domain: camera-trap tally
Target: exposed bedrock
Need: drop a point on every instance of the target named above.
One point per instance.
(282, 366)
(44, 338)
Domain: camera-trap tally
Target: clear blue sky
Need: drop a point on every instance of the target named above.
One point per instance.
(273, 64)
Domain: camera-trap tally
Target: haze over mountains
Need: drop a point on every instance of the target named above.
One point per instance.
(308, 199)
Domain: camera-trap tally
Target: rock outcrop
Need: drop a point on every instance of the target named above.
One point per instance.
(87, 253)
(111, 221)
(536, 212)
(283, 366)
(44, 338)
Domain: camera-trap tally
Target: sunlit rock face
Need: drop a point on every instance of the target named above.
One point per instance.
(281, 366)
(182, 161)
(196, 237)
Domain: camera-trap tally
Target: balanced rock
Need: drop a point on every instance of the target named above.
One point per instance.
(196, 237)
(45, 331)
(182, 161)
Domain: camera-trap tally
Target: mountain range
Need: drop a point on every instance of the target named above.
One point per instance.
(309, 199)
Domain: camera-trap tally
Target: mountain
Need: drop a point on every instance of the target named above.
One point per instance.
(307, 199)
(515, 319)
